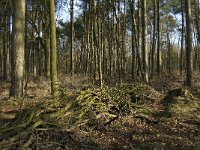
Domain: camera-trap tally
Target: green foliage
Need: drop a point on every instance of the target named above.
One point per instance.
(64, 28)
(176, 6)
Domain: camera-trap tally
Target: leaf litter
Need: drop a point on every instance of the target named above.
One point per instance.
(127, 116)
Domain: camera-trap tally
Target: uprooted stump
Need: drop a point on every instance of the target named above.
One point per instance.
(178, 92)
(179, 103)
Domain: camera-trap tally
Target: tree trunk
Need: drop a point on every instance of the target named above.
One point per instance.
(18, 43)
(100, 46)
(72, 37)
(154, 40)
(188, 43)
(47, 39)
(158, 37)
(47, 53)
(182, 39)
(144, 42)
(5, 70)
(132, 8)
(53, 55)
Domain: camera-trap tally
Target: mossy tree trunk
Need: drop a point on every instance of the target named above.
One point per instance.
(47, 40)
(53, 52)
(18, 43)
(144, 42)
(47, 53)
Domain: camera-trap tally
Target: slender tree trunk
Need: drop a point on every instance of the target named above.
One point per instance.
(47, 39)
(154, 40)
(123, 51)
(103, 40)
(99, 48)
(197, 19)
(144, 42)
(139, 41)
(110, 47)
(182, 38)
(132, 7)
(5, 71)
(188, 43)
(18, 44)
(158, 37)
(94, 40)
(27, 49)
(53, 58)
(1, 70)
(169, 53)
(72, 37)
(118, 27)
(47, 52)
(9, 42)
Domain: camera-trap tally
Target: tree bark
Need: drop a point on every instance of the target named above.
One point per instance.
(18, 44)
(182, 39)
(154, 40)
(188, 43)
(158, 37)
(53, 53)
(132, 8)
(5, 69)
(72, 37)
(144, 42)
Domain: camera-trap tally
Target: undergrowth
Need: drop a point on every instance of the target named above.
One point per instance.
(89, 109)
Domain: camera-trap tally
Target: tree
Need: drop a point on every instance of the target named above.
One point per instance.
(197, 18)
(5, 70)
(47, 40)
(182, 38)
(154, 39)
(133, 32)
(188, 43)
(100, 46)
(158, 37)
(53, 55)
(72, 37)
(144, 42)
(17, 61)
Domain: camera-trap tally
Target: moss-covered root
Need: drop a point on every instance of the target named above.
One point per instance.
(43, 115)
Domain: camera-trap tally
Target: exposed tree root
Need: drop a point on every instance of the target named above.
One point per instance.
(94, 107)
(43, 115)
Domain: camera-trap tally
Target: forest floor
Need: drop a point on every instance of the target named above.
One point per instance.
(155, 123)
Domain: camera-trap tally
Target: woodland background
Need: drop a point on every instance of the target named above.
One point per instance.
(118, 74)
